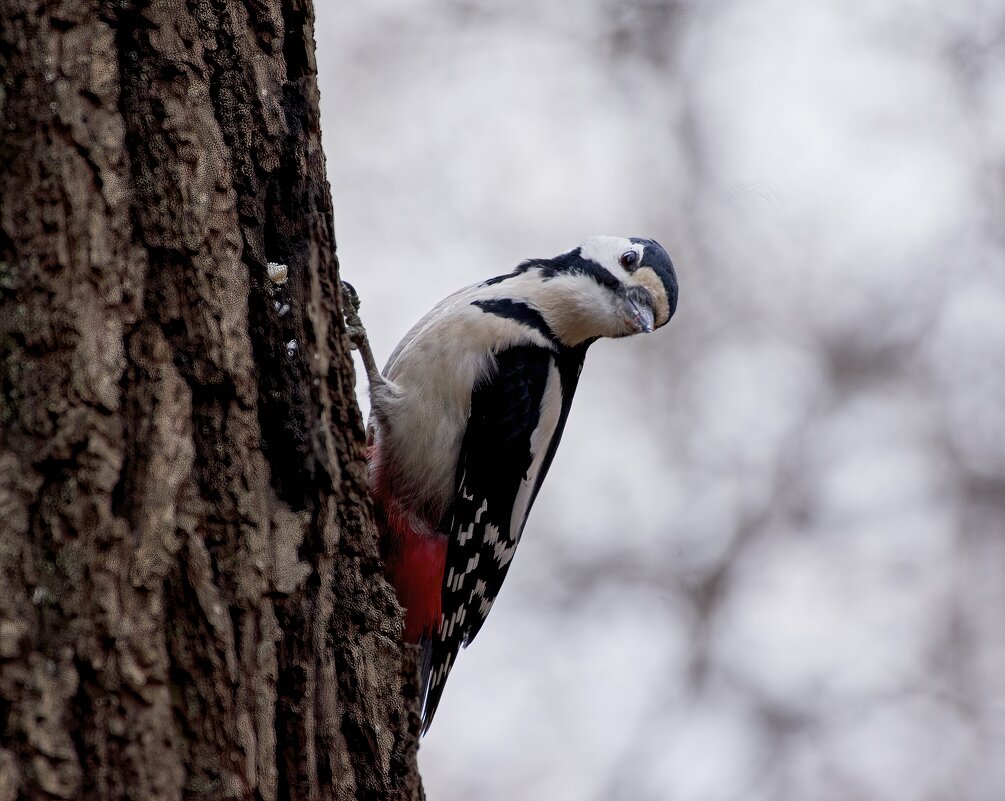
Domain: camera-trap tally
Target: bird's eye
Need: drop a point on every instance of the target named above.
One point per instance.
(629, 259)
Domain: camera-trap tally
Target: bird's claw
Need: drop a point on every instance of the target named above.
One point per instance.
(357, 333)
(350, 311)
(350, 296)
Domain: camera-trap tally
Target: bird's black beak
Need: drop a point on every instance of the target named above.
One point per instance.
(639, 314)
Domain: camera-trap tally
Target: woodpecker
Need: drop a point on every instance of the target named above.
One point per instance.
(466, 418)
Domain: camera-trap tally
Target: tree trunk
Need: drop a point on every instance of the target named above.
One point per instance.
(191, 602)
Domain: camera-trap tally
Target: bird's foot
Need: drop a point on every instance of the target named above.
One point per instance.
(356, 332)
(350, 311)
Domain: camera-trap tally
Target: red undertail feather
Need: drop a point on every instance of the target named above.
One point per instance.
(414, 562)
(414, 557)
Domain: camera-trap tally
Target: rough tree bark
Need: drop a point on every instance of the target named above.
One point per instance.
(191, 603)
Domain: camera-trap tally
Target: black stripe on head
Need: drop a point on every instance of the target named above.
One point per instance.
(521, 268)
(573, 263)
(518, 312)
(656, 258)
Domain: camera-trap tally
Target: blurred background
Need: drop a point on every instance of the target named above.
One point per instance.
(768, 563)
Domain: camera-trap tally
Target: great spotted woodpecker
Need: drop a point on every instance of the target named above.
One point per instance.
(467, 416)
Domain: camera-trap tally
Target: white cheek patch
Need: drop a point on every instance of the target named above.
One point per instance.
(646, 277)
(576, 308)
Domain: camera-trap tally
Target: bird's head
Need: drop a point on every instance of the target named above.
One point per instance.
(609, 286)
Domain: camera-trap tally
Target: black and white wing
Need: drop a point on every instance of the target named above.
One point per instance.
(515, 423)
